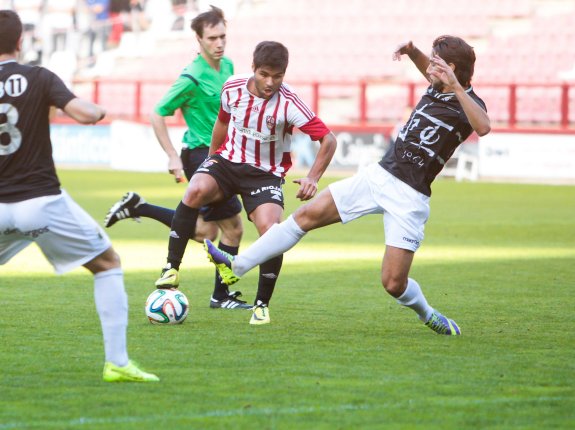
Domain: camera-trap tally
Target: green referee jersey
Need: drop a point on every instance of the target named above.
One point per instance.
(197, 93)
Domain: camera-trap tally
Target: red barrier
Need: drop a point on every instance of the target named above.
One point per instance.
(512, 106)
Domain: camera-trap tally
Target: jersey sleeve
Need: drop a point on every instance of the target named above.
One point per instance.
(224, 116)
(315, 129)
(301, 116)
(224, 101)
(176, 96)
(58, 93)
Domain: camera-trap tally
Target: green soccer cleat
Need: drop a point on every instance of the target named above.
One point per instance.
(442, 325)
(260, 315)
(223, 262)
(129, 373)
(170, 278)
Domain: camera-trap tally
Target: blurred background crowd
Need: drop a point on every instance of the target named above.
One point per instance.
(344, 46)
(83, 29)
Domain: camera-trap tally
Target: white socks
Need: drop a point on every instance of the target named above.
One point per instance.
(277, 240)
(112, 306)
(413, 298)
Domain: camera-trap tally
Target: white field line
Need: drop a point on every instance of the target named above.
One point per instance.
(247, 412)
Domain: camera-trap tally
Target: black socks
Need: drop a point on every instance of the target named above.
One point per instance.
(269, 272)
(182, 229)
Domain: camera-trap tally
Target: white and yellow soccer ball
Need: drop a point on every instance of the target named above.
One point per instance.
(167, 307)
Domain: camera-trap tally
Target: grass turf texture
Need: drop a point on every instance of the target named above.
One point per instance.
(340, 353)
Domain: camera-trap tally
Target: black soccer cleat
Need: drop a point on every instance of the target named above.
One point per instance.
(124, 209)
(231, 302)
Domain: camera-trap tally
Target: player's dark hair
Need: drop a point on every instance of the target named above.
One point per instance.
(271, 54)
(10, 31)
(207, 19)
(455, 50)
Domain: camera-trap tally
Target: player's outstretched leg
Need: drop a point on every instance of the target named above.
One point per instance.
(261, 314)
(442, 325)
(124, 209)
(129, 373)
(223, 262)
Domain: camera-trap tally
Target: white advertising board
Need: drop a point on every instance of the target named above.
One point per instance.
(135, 147)
(527, 156)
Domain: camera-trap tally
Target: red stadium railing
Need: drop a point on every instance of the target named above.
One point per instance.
(368, 105)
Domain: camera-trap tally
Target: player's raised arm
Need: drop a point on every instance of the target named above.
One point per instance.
(420, 60)
(84, 112)
(475, 114)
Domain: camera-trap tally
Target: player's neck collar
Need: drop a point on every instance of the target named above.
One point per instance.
(214, 64)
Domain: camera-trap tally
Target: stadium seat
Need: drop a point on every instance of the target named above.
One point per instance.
(522, 41)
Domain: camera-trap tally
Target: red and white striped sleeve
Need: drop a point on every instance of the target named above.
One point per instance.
(300, 115)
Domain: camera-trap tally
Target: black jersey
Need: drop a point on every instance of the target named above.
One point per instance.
(26, 165)
(436, 127)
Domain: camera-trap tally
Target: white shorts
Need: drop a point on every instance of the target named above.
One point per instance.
(373, 190)
(65, 233)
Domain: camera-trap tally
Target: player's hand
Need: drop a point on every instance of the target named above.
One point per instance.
(180, 179)
(403, 48)
(176, 168)
(443, 72)
(307, 188)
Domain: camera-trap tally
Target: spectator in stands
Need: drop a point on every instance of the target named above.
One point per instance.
(138, 20)
(30, 12)
(196, 94)
(399, 186)
(119, 13)
(99, 29)
(57, 26)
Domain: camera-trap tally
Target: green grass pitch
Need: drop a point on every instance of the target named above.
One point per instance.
(340, 353)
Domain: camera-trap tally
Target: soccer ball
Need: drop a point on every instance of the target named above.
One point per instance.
(167, 307)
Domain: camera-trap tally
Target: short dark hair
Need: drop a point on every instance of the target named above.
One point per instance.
(208, 19)
(10, 31)
(272, 54)
(455, 50)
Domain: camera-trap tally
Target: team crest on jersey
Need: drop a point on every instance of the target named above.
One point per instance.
(270, 121)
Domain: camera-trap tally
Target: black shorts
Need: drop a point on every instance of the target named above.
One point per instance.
(191, 160)
(255, 186)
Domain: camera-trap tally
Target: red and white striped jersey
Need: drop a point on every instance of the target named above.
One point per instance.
(259, 130)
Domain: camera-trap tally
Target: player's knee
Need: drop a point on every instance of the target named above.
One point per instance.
(201, 236)
(265, 226)
(394, 286)
(234, 231)
(109, 259)
(190, 198)
(206, 231)
(195, 196)
(304, 218)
